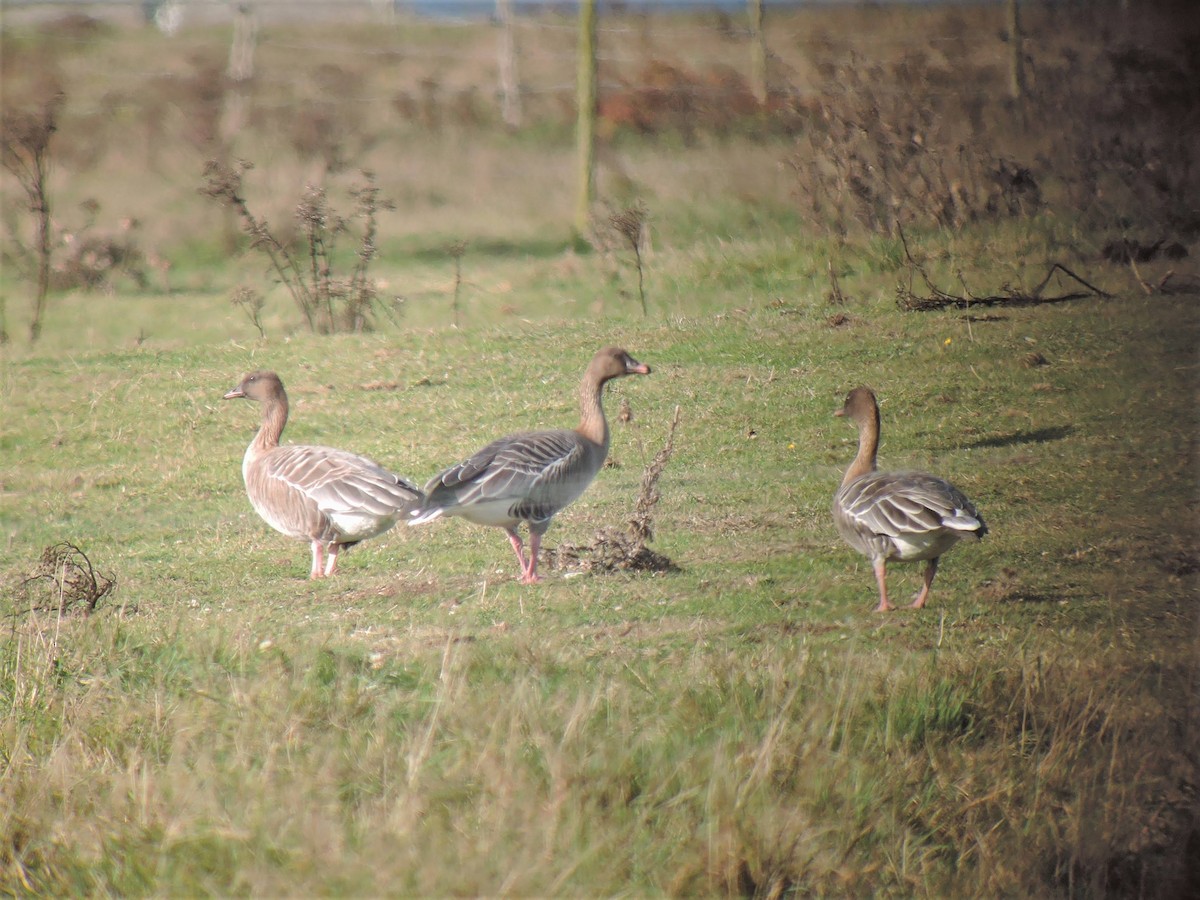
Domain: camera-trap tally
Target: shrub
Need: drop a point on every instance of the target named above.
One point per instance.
(329, 303)
(889, 148)
(1106, 134)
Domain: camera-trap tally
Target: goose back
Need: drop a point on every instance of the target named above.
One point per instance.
(904, 515)
(325, 494)
(528, 476)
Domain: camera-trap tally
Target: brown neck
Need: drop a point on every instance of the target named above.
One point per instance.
(868, 446)
(274, 417)
(592, 424)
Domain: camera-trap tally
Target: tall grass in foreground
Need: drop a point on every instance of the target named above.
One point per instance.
(467, 766)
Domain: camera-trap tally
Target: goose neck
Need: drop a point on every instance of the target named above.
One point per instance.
(274, 418)
(868, 447)
(592, 423)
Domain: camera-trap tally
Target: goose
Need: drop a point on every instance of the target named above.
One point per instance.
(530, 476)
(904, 516)
(331, 498)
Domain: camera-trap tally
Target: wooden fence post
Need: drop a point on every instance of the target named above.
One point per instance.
(239, 71)
(585, 127)
(510, 89)
(758, 53)
(1016, 69)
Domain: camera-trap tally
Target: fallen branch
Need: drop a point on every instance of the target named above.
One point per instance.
(1171, 283)
(909, 301)
(1190, 284)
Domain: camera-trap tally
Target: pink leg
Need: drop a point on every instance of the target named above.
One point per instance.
(331, 566)
(530, 575)
(318, 554)
(930, 571)
(881, 579)
(515, 539)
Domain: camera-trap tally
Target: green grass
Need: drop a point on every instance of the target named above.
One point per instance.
(423, 724)
(746, 725)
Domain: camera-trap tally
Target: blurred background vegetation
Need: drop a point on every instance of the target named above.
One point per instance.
(850, 124)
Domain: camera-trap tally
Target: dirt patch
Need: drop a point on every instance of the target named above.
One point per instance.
(611, 550)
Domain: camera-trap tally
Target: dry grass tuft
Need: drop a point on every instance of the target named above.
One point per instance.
(614, 550)
(65, 580)
(839, 320)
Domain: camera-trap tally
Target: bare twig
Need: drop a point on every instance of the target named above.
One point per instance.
(641, 526)
(836, 297)
(70, 580)
(614, 549)
(939, 299)
(457, 250)
(630, 223)
(25, 139)
(363, 293)
(251, 302)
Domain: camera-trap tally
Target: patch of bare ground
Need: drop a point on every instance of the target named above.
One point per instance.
(611, 550)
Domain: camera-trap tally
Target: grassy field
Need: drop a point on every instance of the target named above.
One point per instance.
(743, 725)
(423, 724)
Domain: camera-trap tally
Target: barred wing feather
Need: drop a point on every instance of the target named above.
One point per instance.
(899, 504)
(538, 471)
(339, 482)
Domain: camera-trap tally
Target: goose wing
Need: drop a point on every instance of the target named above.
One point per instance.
(340, 483)
(532, 475)
(908, 504)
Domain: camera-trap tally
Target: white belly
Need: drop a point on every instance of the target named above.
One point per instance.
(487, 512)
(908, 547)
(360, 526)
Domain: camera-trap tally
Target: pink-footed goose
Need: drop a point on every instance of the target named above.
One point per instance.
(530, 476)
(330, 498)
(903, 516)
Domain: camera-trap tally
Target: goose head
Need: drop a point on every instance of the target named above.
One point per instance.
(860, 407)
(614, 362)
(260, 386)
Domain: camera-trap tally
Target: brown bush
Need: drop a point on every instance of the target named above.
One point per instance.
(1126, 131)
(91, 259)
(892, 147)
(662, 97)
(934, 139)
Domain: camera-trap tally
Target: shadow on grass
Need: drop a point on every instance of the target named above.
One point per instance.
(538, 248)
(1030, 597)
(1037, 436)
